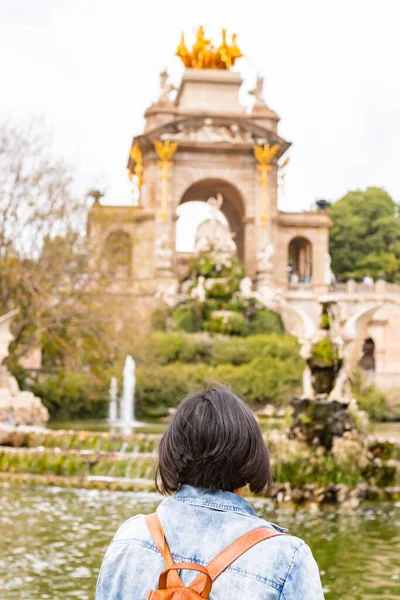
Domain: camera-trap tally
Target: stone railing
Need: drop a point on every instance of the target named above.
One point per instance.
(300, 286)
(380, 287)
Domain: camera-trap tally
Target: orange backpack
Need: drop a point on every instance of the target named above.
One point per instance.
(170, 586)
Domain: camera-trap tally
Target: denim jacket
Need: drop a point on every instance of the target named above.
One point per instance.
(197, 526)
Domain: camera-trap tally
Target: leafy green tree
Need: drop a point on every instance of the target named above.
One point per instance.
(365, 237)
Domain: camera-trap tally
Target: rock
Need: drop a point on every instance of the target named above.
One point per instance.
(267, 411)
(392, 493)
(319, 420)
(342, 493)
(298, 495)
(21, 408)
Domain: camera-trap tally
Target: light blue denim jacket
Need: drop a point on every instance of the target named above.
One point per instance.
(197, 527)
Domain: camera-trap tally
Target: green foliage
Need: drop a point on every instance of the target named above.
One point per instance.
(324, 353)
(188, 319)
(223, 290)
(365, 237)
(74, 395)
(325, 321)
(369, 399)
(350, 462)
(263, 368)
(207, 266)
(265, 321)
(234, 324)
(159, 320)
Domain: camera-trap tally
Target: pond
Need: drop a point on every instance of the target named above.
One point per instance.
(52, 542)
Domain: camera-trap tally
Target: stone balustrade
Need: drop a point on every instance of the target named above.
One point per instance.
(380, 288)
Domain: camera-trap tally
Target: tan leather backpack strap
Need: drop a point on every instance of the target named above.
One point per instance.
(157, 533)
(163, 581)
(225, 558)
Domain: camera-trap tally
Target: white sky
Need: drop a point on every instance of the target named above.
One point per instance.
(331, 72)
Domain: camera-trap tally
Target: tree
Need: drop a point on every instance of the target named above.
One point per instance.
(365, 237)
(43, 255)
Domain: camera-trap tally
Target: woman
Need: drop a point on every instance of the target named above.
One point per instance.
(211, 450)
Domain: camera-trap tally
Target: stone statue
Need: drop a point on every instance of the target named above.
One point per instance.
(16, 407)
(96, 195)
(329, 276)
(6, 336)
(169, 295)
(266, 252)
(214, 236)
(163, 253)
(165, 88)
(199, 292)
(246, 287)
(350, 342)
(258, 91)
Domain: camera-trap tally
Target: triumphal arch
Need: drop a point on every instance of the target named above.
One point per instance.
(198, 143)
(193, 147)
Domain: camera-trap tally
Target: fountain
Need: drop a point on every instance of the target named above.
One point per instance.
(327, 408)
(126, 409)
(128, 395)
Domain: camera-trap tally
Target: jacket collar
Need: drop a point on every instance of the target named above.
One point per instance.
(224, 501)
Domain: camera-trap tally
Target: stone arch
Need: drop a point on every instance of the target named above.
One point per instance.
(233, 206)
(116, 256)
(300, 259)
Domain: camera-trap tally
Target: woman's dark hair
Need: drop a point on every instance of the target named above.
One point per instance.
(214, 443)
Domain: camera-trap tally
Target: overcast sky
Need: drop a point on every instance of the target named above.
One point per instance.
(331, 72)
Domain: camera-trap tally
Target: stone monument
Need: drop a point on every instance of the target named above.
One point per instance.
(200, 142)
(16, 407)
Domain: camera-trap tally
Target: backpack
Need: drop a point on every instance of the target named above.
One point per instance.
(170, 586)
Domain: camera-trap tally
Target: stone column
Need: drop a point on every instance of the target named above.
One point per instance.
(250, 248)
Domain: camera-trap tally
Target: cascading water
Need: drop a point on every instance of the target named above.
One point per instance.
(122, 414)
(128, 395)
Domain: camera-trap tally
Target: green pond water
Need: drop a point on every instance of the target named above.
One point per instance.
(52, 542)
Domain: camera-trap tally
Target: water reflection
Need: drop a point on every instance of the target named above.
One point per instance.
(52, 542)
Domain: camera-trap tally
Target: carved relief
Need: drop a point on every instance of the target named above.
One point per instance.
(209, 132)
(163, 253)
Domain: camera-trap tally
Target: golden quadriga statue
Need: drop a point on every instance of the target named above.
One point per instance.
(204, 55)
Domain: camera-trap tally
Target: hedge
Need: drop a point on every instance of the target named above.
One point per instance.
(262, 368)
(70, 395)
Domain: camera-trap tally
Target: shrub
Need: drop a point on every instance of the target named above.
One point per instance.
(223, 290)
(324, 353)
(263, 369)
(234, 324)
(325, 321)
(70, 396)
(159, 320)
(265, 321)
(165, 348)
(187, 319)
(369, 399)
